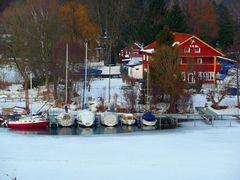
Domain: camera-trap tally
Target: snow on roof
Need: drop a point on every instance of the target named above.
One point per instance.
(149, 51)
(227, 59)
(114, 70)
(134, 61)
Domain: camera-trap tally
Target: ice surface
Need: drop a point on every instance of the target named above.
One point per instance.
(201, 152)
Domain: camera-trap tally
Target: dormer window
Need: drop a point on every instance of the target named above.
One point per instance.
(197, 50)
(187, 50)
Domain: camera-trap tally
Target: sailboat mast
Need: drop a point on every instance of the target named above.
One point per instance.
(148, 103)
(66, 85)
(85, 77)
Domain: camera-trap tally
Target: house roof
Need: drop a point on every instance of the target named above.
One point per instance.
(181, 38)
(194, 37)
(178, 37)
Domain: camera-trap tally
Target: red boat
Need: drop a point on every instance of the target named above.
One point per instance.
(36, 121)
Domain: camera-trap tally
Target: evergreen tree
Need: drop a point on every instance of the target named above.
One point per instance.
(154, 20)
(226, 24)
(176, 19)
(165, 37)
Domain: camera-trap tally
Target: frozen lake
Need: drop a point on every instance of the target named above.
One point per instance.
(201, 152)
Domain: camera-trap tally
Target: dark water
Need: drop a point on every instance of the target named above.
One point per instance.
(87, 131)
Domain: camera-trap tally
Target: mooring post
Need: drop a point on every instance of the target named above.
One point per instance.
(160, 123)
(212, 120)
(230, 122)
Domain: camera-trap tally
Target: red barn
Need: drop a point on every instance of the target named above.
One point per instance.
(198, 60)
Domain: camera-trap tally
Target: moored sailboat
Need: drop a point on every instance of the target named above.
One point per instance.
(35, 121)
(85, 117)
(66, 119)
(148, 118)
(109, 119)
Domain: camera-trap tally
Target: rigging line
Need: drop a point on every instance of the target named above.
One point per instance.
(7, 175)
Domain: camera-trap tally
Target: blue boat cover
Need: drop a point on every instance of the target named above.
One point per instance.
(148, 116)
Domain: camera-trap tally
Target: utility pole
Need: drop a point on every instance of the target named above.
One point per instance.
(66, 85)
(238, 58)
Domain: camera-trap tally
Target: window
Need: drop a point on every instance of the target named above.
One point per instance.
(183, 76)
(204, 76)
(197, 50)
(180, 60)
(200, 76)
(190, 77)
(210, 76)
(199, 60)
(187, 50)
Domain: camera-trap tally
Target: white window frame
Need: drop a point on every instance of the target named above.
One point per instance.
(193, 79)
(183, 75)
(197, 50)
(204, 76)
(210, 76)
(186, 50)
(200, 76)
(180, 61)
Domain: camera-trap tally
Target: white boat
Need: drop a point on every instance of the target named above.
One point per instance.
(85, 118)
(109, 119)
(128, 119)
(65, 119)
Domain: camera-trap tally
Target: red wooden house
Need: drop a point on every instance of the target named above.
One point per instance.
(131, 51)
(198, 60)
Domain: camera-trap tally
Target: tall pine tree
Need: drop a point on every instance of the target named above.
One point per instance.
(154, 20)
(176, 19)
(226, 24)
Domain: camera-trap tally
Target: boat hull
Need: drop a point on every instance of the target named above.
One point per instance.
(65, 120)
(128, 119)
(86, 118)
(109, 119)
(128, 122)
(16, 124)
(148, 123)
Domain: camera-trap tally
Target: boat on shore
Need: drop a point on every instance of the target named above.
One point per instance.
(148, 119)
(128, 119)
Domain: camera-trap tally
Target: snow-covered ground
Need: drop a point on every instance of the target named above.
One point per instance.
(201, 152)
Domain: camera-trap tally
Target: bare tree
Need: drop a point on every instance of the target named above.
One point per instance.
(34, 30)
(220, 97)
(130, 94)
